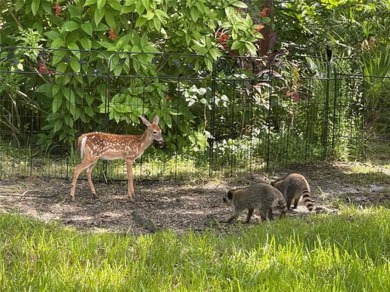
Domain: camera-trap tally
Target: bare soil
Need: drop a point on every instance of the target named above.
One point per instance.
(179, 206)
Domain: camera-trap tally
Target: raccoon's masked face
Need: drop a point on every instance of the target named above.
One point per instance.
(228, 197)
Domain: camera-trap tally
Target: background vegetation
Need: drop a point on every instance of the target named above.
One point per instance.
(220, 74)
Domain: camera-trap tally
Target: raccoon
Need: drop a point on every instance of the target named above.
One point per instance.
(261, 196)
(293, 187)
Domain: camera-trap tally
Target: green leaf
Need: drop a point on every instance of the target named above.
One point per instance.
(251, 48)
(115, 5)
(90, 2)
(136, 49)
(35, 6)
(57, 43)
(58, 56)
(123, 41)
(145, 3)
(100, 4)
(239, 4)
(236, 45)
(157, 24)
(209, 64)
(101, 27)
(57, 126)
(72, 109)
(61, 68)
(75, 65)
(74, 11)
(144, 40)
(70, 26)
(150, 49)
(167, 119)
(122, 108)
(127, 9)
(55, 89)
(90, 99)
(45, 88)
(89, 112)
(106, 45)
(149, 15)
(86, 43)
(56, 104)
(109, 16)
(117, 70)
(140, 21)
(194, 14)
(73, 46)
(161, 15)
(69, 95)
(214, 53)
(139, 8)
(201, 7)
(87, 27)
(98, 15)
(188, 39)
(19, 4)
(75, 49)
(53, 35)
(69, 121)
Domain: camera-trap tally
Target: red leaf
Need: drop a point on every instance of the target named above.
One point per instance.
(111, 34)
(57, 9)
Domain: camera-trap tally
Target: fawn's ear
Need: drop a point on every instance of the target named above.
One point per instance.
(145, 121)
(156, 119)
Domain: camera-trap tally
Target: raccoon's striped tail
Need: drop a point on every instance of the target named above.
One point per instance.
(307, 200)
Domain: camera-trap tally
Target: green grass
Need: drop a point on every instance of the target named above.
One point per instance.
(347, 252)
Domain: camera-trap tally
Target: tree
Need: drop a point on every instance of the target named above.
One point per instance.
(95, 40)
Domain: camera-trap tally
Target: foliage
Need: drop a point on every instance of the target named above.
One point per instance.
(342, 25)
(376, 62)
(99, 64)
(92, 39)
(304, 253)
(353, 28)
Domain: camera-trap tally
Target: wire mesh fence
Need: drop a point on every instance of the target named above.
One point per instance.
(243, 116)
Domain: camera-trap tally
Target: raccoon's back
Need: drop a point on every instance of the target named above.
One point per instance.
(295, 187)
(297, 182)
(251, 200)
(262, 194)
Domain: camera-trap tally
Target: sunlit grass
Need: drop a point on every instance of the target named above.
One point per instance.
(365, 173)
(346, 252)
(157, 164)
(378, 153)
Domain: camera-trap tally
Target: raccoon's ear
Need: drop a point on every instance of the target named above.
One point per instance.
(230, 195)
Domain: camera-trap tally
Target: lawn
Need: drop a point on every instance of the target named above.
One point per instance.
(345, 252)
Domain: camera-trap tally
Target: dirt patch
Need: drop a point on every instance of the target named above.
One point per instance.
(179, 206)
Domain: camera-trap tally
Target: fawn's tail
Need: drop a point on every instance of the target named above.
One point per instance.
(81, 144)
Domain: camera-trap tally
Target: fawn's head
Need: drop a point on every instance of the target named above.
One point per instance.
(155, 130)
